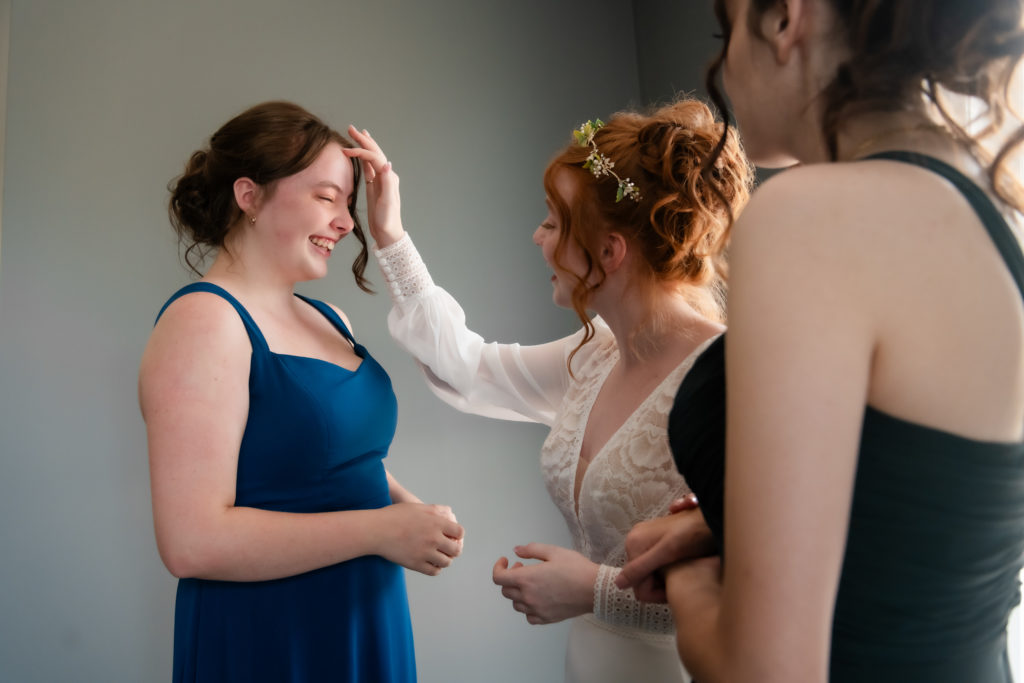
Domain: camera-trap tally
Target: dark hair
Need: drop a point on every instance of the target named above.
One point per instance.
(679, 219)
(907, 48)
(265, 143)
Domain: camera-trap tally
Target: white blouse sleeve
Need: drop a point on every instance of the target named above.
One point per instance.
(619, 607)
(506, 381)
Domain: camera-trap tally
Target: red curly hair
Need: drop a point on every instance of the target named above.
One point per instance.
(682, 215)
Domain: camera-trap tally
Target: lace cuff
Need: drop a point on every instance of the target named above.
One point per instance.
(403, 269)
(620, 608)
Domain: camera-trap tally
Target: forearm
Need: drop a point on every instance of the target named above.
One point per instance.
(505, 381)
(400, 494)
(250, 544)
(696, 612)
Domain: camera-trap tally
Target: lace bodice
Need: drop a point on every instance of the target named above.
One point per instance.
(631, 479)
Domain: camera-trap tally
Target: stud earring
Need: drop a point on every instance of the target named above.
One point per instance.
(252, 220)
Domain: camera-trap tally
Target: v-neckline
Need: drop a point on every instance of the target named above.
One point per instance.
(581, 428)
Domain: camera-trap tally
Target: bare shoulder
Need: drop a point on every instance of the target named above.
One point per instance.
(799, 223)
(832, 214)
(807, 246)
(198, 341)
(344, 318)
(804, 200)
(201, 319)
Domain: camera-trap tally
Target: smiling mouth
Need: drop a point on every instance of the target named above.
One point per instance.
(323, 242)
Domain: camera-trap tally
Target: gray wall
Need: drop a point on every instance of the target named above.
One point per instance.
(674, 44)
(105, 101)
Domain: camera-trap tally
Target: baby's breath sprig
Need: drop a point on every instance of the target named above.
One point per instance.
(599, 164)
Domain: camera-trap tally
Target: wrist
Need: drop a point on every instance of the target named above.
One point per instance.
(589, 586)
(377, 530)
(403, 269)
(387, 237)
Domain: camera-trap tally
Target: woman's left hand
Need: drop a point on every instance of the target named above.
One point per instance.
(558, 587)
(382, 196)
(657, 543)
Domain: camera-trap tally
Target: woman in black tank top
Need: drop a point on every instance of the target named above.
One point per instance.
(859, 431)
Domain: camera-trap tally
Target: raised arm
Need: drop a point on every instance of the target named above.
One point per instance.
(193, 392)
(506, 381)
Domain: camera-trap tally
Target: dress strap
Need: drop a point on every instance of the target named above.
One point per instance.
(255, 336)
(994, 222)
(332, 315)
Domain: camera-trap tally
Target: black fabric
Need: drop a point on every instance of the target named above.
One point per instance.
(696, 433)
(936, 533)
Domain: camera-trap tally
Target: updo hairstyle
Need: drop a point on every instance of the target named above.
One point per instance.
(905, 49)
(265, 143)
(682, 213)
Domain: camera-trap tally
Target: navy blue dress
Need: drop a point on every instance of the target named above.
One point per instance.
(314, 441)
(936, 534)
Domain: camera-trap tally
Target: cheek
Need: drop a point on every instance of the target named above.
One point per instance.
(549, 251)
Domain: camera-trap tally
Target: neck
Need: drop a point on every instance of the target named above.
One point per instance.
(645, 331)
(251, 277)
(909, 130)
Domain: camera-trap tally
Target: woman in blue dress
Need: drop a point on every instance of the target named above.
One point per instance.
(267, 425)
(872, 526)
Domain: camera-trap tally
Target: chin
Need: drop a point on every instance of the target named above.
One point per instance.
(776, 162)
(562, 302)
(770, 157)
(313, 274)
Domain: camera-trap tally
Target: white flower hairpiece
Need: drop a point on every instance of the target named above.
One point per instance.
(599, 164)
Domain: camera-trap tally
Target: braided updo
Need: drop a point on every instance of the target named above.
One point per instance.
(265, 143)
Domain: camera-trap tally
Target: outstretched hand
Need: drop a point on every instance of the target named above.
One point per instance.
(558, 587)
(656, 543)
(382, 196)
(421, 537)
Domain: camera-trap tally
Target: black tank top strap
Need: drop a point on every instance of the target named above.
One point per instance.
(332, 315)
(994, 222)
(255, 336)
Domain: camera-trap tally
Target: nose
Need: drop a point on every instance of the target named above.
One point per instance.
(344, 222)
(538, 236)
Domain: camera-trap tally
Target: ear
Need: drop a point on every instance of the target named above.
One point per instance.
(782, 26)
(247, 195)
(613, 252)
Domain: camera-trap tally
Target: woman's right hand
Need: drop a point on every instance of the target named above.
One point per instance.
(382, 197)
(419, 536)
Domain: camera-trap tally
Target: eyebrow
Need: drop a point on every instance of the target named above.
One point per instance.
(328, 183)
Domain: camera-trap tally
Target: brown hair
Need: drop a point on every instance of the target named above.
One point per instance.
(265, 143)
(901, 50)
(682, 213)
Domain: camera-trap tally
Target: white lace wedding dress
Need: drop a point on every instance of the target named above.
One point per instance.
(632, 478)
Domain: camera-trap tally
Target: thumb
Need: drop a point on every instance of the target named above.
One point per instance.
(500, 573)
(637, 570)
(535, 551)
